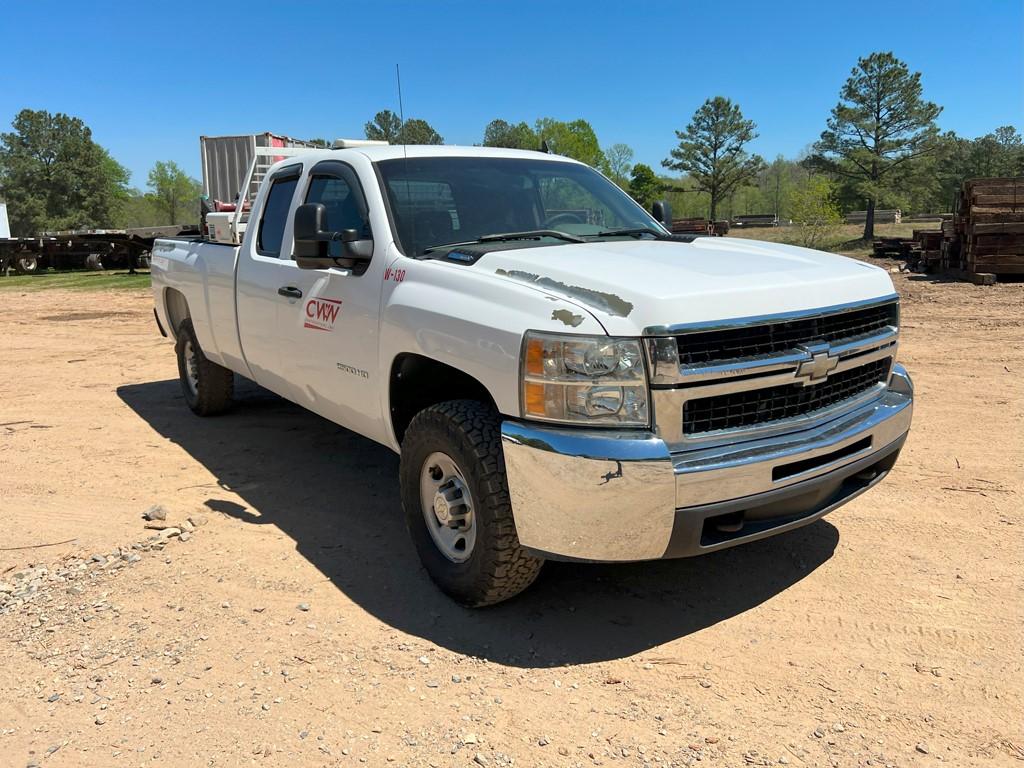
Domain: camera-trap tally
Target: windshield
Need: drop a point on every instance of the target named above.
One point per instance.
(444, 200)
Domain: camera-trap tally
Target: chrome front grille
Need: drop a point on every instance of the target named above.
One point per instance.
(702, 347)
(755, 377)
(760, 406)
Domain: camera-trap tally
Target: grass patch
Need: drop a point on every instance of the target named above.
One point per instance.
(78, 280)
(845, 239)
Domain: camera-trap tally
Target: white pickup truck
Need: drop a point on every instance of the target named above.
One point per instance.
(561, 376)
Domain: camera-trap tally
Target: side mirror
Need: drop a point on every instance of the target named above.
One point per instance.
(312, 241)
(662, 211)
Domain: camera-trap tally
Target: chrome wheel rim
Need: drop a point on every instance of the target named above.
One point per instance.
(191, 368)
(447, 507)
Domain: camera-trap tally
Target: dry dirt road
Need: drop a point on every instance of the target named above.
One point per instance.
(296, 627)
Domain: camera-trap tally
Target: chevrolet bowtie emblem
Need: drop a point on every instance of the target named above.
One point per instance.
(818, 368)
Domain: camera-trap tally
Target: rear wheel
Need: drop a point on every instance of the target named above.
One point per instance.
(206, 385)
(457, 506)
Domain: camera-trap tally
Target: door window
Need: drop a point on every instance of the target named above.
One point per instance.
(341, 208)
(275, 214)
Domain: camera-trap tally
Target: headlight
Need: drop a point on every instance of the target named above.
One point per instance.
(584, 379)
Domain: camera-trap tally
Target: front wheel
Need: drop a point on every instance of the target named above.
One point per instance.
(206, 385)
(457, 506)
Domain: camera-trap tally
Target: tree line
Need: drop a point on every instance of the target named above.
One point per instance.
(54, 176)
(880, 147)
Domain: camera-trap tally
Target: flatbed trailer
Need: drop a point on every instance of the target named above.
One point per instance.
(233, 169)
(92, 248)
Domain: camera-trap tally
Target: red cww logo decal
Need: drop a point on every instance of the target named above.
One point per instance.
(321, 314)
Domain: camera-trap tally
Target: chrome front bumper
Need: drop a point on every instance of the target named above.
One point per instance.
(600, 495)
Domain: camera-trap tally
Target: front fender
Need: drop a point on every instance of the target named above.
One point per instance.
(472, 321)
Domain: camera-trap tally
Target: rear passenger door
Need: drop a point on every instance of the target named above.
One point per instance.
(264, 267)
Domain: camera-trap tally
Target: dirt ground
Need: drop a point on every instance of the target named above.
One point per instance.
(296, 627)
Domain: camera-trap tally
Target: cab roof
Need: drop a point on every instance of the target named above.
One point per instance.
(399, 151)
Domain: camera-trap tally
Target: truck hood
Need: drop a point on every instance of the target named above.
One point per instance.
(639, 285)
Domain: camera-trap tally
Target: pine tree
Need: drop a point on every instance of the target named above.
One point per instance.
(880, 123)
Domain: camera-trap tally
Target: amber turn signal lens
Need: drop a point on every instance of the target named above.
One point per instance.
(535, 357)
(533, 399)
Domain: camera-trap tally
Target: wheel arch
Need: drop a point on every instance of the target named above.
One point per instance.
(417, 382)
(176, 310)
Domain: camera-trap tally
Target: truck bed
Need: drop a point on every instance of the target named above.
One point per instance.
(203, 272)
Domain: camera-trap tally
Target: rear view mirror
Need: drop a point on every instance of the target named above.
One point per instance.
(309, 222)
(662, 211)
(312, 241)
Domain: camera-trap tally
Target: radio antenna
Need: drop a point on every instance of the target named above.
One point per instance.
(401, 109)
(405, 162)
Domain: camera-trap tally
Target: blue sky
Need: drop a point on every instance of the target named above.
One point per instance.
(150, 77)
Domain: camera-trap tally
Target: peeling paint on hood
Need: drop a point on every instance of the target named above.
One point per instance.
(632, 285)
(567, 317)
(608, 303)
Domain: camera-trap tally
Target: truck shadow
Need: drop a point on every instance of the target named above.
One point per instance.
(336, 495)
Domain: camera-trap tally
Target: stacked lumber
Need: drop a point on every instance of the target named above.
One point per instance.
(988, 229)
(929, 250)
(692, 226)
(922, 251)
(882, 216)
(950, 248)
(756, 220)
(895, 247)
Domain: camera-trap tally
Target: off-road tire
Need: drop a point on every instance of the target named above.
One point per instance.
(498, 567)
(215, 383)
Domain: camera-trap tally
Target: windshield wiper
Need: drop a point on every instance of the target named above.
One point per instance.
(630, 231)
(530, 234)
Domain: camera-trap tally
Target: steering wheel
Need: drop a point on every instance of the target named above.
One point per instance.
(560, 218)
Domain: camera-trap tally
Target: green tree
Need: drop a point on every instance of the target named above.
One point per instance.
(54, 176)
(417, 131)
(500, 133)
(814, 211)
(779, 178)
(937, 176)
(385, 126)
(711, 150)
(880, 123)
(1000, 153)
(644, 186)
(175, 193)
(575, 139)
(619, 159)
(138, 209)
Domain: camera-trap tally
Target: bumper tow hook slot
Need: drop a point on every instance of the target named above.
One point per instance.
(730, 523)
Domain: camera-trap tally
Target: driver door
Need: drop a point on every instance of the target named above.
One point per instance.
(329, 323)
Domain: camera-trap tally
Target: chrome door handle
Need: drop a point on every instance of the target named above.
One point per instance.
(290, 291)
